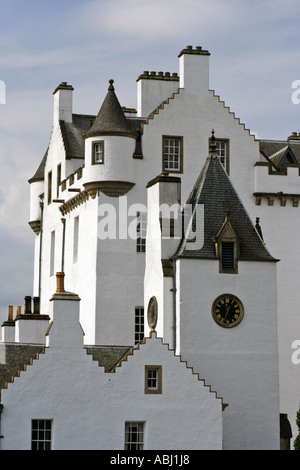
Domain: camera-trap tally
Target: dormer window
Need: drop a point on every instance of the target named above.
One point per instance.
(227, 248)
(227, 254)
(98, 152)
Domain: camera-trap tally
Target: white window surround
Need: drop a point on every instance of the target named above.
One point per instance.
(139, 325)
(141, 232)
(134, 435)
(76, 239)
(41, 434)
(98, 152)
(52, 253)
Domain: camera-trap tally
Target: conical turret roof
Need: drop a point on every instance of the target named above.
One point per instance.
(111, 119)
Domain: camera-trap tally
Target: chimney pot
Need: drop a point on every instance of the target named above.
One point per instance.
(10, 312)
(36, 305)
(60, 282)
(27, 304)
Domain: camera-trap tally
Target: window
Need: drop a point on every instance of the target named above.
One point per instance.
(153, 379)
(49, 187)
(172, 154)
(52, 253)
(134, 435)
(75, 239)
(222, 150)
(58, 179)
(227, 247)
(139, 325)
(167, 227)
(141, 232)
(227, 256)
(41, 434)
(98, 152)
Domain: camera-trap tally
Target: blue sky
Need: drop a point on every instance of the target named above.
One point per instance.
(254, 47)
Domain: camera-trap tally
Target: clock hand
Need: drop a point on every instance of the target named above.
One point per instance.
(227, 310)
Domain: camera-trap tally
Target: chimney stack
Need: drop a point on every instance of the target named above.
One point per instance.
(194, 69)
(63, 103)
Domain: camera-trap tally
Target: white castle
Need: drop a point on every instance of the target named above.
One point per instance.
(164, 309)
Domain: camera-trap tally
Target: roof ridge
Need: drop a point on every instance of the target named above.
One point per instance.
(159, 107)
(233, 114)
(17, 373)
(178, 356)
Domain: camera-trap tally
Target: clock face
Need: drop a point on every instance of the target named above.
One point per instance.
(227, 310)
(152, 313)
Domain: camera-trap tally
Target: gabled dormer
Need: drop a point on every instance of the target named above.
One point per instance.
(284, 157)
(228, 235)
(227, 247)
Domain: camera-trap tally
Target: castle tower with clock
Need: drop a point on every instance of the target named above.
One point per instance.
(151, 215)
(228, 331)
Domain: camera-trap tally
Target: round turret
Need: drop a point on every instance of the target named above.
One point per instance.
(36, 193)
(109, 147)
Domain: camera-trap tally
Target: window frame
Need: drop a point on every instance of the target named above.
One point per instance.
(139, 324)
(58, 179)
(158, 388)
(129, 443)
(94, 160)
(41, 442)
(75, 239)
(226, 142)
(141, 232)
(180, 155)
(52, 252)
(224, 266)
(49, 189)
(227, 235)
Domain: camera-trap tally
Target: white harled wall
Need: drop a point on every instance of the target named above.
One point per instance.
(93, 417)
(241, 362)
(192, 116)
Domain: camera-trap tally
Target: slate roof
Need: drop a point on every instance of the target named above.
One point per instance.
(14, 356)
(39, 174)
(214, 189)
(111, 119)
(108, 356)
(281, 152)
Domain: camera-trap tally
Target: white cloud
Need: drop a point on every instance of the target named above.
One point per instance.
(169, 19)
(158, 19)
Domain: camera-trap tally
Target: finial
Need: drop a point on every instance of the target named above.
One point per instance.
(212, 143)
(258, 228)
(111, 87)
